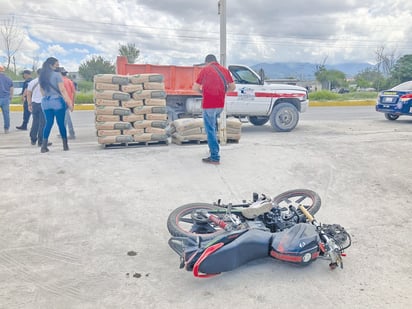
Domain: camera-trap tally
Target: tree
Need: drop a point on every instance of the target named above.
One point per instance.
(371, 78)
(385, 60)
(402, 71)
(330, 79)
(12, 38)
(130, 51)
(94, 66)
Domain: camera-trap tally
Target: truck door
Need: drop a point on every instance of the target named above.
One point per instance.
(244, 99)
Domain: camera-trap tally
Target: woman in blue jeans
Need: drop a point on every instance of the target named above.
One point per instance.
(55, 101)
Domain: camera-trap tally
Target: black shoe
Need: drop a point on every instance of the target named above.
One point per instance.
(33, 143)
(22, 128)
(48, 144)
(210, 161)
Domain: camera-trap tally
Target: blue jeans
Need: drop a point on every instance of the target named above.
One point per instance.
(50, 114)
(68, 123)
(5, 108)
(210, 116)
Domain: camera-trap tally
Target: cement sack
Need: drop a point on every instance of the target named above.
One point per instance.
(149, 94)
(111, 79)
(153, 86)
(142, 110)
(233, 123)
(113, 125)
(103, 102)
(112, 110)
(133, 118)
(105, 86)
(155, 116)
(149, 123)
(233, 136)
(111, 95)
(132, 103)
(145, 78)
(110, 118)
(147, 137)
(131, 88)
(155, 102)
(108, 132)
(115, 139)
(230, 130)
(133, 131)
(155, 130)
(187, 124)
(195, 137)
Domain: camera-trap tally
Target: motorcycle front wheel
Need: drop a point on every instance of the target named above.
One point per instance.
(307, 198)
(187, 221)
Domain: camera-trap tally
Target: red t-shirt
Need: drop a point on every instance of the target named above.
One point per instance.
(69, 85)
(213, 88)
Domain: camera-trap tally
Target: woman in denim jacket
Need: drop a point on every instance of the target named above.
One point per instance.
(55, 101)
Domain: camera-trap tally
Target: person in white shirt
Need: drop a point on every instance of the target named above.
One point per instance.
(34, 97)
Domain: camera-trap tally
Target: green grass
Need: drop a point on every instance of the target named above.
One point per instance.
(325, 95)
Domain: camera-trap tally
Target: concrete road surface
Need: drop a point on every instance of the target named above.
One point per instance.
(69, 219)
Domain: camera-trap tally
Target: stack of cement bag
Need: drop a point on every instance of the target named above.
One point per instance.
(187, 130)
(130, 109)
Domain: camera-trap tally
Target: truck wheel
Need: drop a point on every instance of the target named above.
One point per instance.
(284, 117)
(391, 116)
(258, 120)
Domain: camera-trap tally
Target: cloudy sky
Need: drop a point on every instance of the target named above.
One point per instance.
(182, 32)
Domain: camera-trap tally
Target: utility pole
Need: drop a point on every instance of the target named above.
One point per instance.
(222, 13)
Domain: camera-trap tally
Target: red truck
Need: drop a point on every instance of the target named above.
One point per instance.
(253, 99)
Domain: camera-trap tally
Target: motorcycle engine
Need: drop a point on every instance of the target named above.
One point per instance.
(279, 219)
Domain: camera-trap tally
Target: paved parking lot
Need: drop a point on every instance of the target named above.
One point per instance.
(69, 219)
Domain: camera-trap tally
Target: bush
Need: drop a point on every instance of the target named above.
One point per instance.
(84, 86)
(84, 97)
(323, 95)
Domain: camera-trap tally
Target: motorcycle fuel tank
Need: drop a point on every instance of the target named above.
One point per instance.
(299, 244)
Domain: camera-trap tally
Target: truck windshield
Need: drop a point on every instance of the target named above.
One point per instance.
(243, 75)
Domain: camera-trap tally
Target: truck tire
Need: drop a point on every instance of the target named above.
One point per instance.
(284, 117)
(390, 116)
(258, 120)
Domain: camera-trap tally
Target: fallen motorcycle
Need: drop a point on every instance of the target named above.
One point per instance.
(215, 238)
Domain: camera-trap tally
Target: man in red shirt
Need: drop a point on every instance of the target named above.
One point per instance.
(71, 92)
(213, 82)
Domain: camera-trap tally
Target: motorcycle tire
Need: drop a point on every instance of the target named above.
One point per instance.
(307, 198)
(180, 222)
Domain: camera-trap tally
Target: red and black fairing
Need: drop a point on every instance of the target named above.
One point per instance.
(299, 244)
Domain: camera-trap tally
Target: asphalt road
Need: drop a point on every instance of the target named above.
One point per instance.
(69, 219)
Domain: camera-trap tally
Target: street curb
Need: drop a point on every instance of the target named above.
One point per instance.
(77, 107)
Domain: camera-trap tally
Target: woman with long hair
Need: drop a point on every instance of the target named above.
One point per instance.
(55, 101)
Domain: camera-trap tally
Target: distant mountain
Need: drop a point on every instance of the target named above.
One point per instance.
(305, 70)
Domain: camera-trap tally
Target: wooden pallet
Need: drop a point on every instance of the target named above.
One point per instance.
(198, 142)
(136, 144)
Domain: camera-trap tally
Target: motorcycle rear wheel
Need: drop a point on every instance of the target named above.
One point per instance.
(181, 223)
(307, 198)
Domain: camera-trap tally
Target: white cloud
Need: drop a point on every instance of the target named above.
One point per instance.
(183, 31)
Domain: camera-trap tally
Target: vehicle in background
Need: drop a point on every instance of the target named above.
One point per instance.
(17, 87)
(253, 98)
(396, 101)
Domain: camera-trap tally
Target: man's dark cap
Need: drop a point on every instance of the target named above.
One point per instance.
(210, 58)
(27, 72)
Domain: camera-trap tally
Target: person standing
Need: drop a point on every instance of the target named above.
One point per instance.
(6, 94)
(54, 102)
(71, 91)
(34, 98)
(213, 82)
(26, 112)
